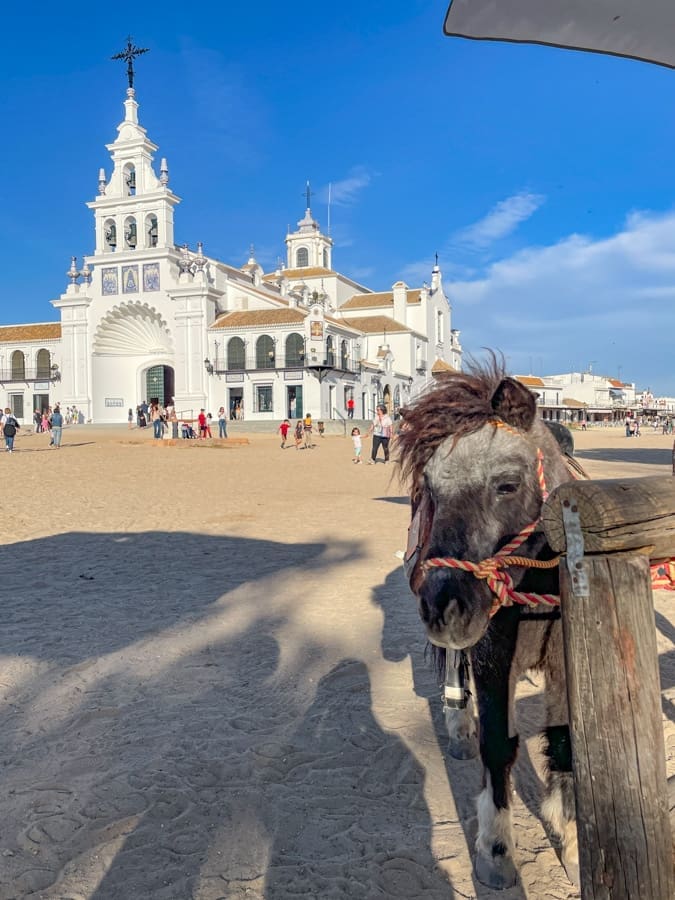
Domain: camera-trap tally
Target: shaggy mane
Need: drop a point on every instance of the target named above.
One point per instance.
(460, 404)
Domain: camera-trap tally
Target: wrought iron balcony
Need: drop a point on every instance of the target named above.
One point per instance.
(272, 361)
(22, 376)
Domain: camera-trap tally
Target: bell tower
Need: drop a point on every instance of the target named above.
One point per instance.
(308, 247)
(134, 208)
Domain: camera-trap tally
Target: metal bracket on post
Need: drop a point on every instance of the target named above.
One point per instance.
(575, 550)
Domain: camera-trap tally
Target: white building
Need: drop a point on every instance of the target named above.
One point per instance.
(579, 396)
(143, 319)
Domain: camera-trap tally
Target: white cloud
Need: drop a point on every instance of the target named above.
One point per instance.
(346, 191)
(474, 240)
(500, 222)
(610, 300)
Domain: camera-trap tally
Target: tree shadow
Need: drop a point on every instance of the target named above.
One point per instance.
(142, 697)
(652, 456)
(357, 824)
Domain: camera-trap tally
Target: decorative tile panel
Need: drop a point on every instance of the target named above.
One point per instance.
(151, 276)
(129, 279)
(109, 281)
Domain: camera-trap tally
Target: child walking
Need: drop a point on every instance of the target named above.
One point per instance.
(356, 441)
(298, 434)
(283, 431)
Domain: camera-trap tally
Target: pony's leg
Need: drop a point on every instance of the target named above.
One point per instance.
(558, 807)
(461, 728)
(494, 863)
(460, 722)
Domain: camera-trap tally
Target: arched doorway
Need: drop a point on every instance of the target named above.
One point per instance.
(160, 385)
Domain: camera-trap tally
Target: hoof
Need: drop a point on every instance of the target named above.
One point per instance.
(496, 872)
(463, 748)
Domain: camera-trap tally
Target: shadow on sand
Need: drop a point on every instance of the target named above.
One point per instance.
(155, 745)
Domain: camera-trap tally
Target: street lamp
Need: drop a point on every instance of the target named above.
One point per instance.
(208, 365)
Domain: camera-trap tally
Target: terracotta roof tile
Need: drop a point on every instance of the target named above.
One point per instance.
(380, 298)
(44, 331)
(530, 380)
(256, 317)
(376, 324)
(306, 272)
(573, 404)
(441, 366)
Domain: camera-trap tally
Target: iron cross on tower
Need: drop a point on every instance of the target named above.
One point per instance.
(129, 54)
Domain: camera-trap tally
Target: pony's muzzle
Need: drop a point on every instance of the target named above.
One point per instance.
(454, 607)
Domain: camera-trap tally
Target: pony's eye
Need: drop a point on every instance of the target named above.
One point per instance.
(508, 487)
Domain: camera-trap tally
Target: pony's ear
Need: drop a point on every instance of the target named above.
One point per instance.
(514, 404)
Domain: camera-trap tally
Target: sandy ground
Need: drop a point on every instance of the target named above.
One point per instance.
(213, 684)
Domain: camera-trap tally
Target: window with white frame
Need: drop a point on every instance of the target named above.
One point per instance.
(302, 258)
(439, 326)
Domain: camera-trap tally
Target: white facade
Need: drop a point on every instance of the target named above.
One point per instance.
(144, 318)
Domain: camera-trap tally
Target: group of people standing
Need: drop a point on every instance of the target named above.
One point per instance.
(50, 422)
(381, 430)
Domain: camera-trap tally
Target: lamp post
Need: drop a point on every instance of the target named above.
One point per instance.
(208, 365)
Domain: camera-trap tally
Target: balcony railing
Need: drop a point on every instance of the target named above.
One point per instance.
(280, 361)
(23, 375)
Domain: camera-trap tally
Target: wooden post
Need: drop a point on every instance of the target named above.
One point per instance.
(625, 843)
(673, 457)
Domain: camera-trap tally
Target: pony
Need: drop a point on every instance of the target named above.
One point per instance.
(479, 463)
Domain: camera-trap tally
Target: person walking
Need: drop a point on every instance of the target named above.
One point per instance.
(297, 434)
(307, 430)
(356, 441)
(222, 423)
(130, 419)
(283, 431)
(57, 427)
(381, 429)
(9, 429)
(350, 408)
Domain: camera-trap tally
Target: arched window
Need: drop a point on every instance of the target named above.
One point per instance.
(236, 354)
(43, 362)
(397, 398)
(264, 352)
(151, 230)
(295, 350)
(110, 234)
(330, 351)
(344, 355)
(325, 258)
(302, 258)
(130, 233)
(18, 366)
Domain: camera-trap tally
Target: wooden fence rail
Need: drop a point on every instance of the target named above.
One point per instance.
(608, 530)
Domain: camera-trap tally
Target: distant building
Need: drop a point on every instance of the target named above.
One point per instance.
(143, 318)
(582, 396)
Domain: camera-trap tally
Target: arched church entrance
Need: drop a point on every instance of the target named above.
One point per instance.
(160, 385)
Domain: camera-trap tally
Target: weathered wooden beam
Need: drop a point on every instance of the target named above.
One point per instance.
(616, 515)
(625, 844)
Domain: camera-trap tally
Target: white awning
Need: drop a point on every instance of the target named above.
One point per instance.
(640, 29)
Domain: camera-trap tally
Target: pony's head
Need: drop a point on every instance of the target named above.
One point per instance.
(472, 450)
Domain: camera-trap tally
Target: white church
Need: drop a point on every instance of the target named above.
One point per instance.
(145, 319)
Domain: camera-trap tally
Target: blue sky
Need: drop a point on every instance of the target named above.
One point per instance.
(545, 179)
